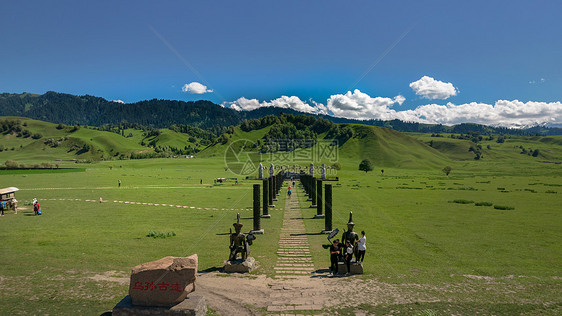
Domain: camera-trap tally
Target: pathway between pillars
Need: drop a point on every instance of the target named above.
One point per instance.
(294, 289)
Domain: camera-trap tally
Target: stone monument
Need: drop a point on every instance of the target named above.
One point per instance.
(323, 172)
(311, 170)
(162, 287)
(260, 171)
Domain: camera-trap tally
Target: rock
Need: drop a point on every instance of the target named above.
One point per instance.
(240, 266)
(356, 268)
(163, 282)
(192, 305)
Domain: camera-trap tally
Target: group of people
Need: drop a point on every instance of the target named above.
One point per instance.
(289, 192)
(4, 206)
(345, 251)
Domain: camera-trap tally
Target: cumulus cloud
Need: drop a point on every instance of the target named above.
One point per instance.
(285, 102)
(359, 105)
(513, 114)
(430, 88)
(195, 88)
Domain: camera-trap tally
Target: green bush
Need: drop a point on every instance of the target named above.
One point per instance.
(154, 234)
(462, 201)
(503, 207)
(483, 203)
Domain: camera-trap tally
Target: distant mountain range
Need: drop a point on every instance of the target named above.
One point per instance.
(95, 111)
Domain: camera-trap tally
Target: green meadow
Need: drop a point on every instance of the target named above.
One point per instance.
(492, 225)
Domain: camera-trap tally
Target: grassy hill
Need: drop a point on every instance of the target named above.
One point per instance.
(49, 143)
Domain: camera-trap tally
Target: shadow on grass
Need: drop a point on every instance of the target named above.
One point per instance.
(211, 269)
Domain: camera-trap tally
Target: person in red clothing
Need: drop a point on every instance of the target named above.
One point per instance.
(36, 207)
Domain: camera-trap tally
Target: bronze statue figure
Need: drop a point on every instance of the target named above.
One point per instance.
(350, 235)
(239, 242)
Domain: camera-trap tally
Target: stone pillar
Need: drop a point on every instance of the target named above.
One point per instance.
(266, 199)
(257, 224)
(323, 172)
(270, 195)
(256, 207)
(311, 170)
(319, 199)
(273, 190)
(313, 192)
(328, 203)
(260, 171)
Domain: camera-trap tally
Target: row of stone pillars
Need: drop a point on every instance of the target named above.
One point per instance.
(271, 188)
(313, 189)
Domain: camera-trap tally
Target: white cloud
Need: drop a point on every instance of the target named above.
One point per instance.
(359, 105)
(430, 88)
(514, 114)
(195, 88)
(285, 102)
(118, 101)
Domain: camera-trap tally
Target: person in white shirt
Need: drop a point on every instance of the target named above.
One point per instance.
(361, 247)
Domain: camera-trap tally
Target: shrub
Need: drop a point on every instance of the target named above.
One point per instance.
(483, 203)
(550, 191)
(503, 207)
(337, 166)
(462, 201)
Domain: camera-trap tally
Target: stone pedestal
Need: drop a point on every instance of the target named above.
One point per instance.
(257, 231)
(356, 268)
(319, 216)
(165, 282)
(192, 305)
(240, 266)
(266, 216)
(326, 232)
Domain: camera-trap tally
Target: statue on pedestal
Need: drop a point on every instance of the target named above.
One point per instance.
(239, 242)
(271, 170)
(350, 235)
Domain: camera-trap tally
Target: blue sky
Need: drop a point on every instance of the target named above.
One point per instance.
(314, 51)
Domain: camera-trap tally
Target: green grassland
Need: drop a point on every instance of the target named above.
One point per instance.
(468, 259)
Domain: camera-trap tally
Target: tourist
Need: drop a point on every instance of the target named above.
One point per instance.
(118, 183)
(335, 251)
(289, 192)
(347, 255)
(361, 247)
(3, 206)
(36, 207)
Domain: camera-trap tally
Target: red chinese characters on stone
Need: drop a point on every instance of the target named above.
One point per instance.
(150, 286)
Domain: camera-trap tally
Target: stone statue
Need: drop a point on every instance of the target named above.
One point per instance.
(350, 234)
(323, 170)
(260, 171)
(271, 170)
(239, 242)
(311, 170)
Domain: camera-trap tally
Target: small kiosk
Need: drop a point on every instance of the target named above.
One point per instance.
(8, 195)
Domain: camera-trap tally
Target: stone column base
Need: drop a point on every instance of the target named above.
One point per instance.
(327, 231)
(193, 305)
(356, 268)
(319, 216)
(266, 216)
(240, 266)
(257, 232)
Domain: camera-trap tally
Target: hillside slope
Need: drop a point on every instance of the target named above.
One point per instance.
(46, 142)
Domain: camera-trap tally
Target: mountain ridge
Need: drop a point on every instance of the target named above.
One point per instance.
(90, 110)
